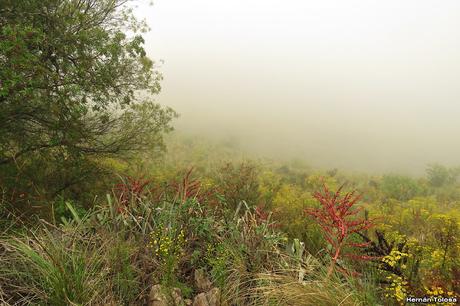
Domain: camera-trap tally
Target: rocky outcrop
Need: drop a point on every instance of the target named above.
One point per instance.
(160, 296)
(207, 295)
(157, 297)
(210, 298)
(176, 296)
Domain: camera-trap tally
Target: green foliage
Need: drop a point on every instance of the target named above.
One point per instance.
(422, 248)
(75, 86)
(219, 258)
(287, 203)
(439, 175)
(70, 77)
(111, 256)
(65, 210)
(400, 187)
(244, 225)
(239, 183)
(125, 283)
(317, 180)
(61, 268)
(167, 245)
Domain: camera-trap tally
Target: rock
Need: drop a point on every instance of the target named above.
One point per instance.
(202, 282)
(176, 295)
(157, 296)
(200, 300)
(213, 297)
(210, 298)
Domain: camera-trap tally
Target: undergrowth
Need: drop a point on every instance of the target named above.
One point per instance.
(153, 233)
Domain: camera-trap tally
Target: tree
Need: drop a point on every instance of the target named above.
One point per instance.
(439, 175)
(75, 84)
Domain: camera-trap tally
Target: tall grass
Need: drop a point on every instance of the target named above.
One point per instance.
(60, 267)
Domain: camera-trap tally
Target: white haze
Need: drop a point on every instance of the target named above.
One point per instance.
(361, 85)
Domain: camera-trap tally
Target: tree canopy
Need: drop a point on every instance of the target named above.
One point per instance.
(75, 83)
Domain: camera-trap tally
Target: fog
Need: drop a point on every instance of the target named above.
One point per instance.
(359, 85)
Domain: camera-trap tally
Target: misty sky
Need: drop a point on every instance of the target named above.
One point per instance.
(361, 85)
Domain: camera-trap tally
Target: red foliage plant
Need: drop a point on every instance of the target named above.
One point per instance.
(262, 216)
(129, 190)
(261, 213)
(338, 220)
(187, 187)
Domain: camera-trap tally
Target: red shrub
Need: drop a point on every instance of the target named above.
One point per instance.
(338, 220)
(187, 187)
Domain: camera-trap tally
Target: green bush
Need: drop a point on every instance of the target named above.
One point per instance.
(400, 187)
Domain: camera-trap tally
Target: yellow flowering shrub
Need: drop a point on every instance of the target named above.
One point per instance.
(394, 257)
(397, 288)
(167, 245)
